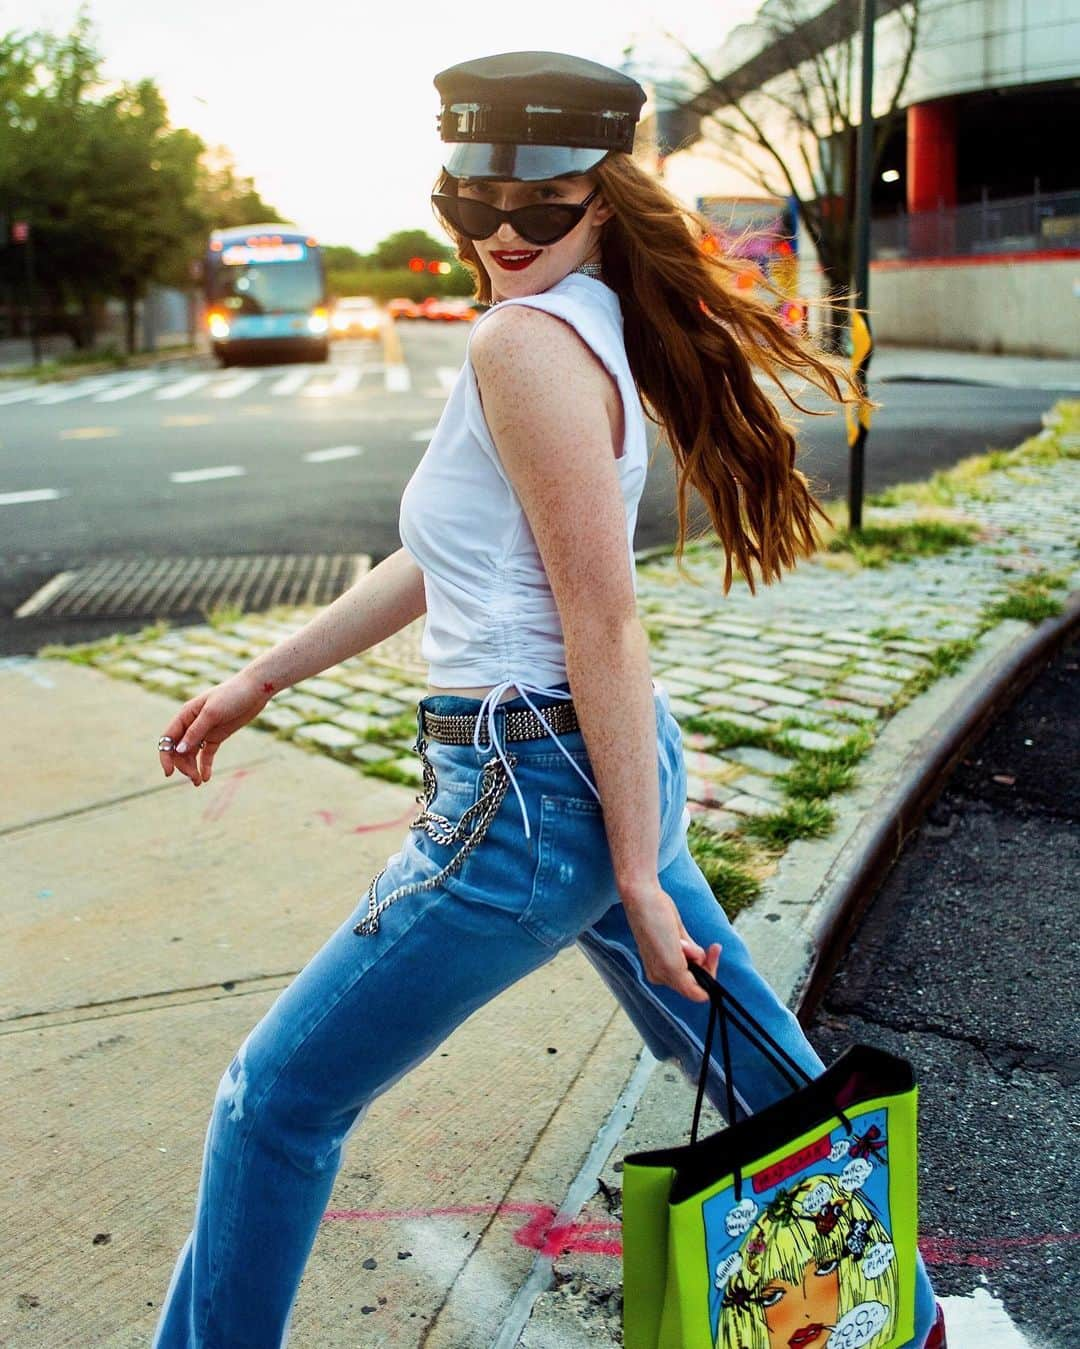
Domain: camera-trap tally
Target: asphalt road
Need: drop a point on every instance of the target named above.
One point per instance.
(309, 459)
(965, 965)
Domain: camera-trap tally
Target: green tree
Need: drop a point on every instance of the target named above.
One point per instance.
(396, 249)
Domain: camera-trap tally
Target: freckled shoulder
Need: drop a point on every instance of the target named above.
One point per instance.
(520, 340)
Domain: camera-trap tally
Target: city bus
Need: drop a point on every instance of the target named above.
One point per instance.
(265, 292)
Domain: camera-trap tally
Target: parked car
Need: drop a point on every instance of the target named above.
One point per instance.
(402, 308)
(356, 316)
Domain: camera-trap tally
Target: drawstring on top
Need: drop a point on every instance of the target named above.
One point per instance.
(488, 709)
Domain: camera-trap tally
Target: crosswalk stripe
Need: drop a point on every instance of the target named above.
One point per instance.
(182, 387)
(128, 389)
(335, 452)
(398, 379)
(237, 384)
(345, 380)
(293, 381)
(69, 392)
(421, 436)
(20, 395)
(206, 474)
(447, 376)
(38, 494)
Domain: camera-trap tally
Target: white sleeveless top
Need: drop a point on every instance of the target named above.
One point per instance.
(491, 617)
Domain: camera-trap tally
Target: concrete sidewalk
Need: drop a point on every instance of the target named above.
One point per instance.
(148, 925)
(894, 364)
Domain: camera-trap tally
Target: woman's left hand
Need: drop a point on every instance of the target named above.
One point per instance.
(665, 945)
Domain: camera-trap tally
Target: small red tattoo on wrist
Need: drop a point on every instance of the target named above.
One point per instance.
(268, 687)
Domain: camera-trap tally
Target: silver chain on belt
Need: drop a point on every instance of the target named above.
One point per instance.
(494, 786)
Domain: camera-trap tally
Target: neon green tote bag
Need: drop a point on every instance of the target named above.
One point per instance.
(792, 1229)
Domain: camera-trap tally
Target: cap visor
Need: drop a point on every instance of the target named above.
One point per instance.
(521, 163)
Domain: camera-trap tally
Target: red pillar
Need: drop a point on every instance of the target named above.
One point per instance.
(931, 156)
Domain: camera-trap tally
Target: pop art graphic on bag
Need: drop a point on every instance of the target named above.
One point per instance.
(805, 1259)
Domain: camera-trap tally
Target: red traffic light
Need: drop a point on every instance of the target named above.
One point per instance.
(433, 266)
(416, 264)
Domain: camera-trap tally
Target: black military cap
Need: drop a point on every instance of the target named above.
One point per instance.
(531, 115)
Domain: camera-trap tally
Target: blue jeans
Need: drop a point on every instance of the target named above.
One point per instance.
(350, 1024)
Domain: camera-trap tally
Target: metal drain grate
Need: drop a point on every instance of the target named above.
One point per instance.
(169, 586)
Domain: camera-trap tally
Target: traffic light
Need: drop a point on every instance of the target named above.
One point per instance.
(416, 264)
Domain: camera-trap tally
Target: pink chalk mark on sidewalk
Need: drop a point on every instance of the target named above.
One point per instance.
(541, 1233)
(330, 819)
(227, 795)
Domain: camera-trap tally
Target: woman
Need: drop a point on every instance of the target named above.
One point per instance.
(518, 528)
(807, 1265)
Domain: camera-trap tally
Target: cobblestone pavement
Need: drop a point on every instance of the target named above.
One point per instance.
(803, 665)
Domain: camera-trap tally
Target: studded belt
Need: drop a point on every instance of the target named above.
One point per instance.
(521, 723)
(469, 830)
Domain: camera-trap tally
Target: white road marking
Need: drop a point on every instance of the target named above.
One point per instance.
(335, 452)
(236, 384)
(345, 380)
(138, 384)
(447, 376)
(420, 436)
(398, 379)
(293, 381)
(38, 494)
(20, 395)
(205, 474)
(182, 387)
(66, 393)
(980, 1322)
(44, 594)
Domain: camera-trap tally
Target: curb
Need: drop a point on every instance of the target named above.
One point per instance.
(868, 855)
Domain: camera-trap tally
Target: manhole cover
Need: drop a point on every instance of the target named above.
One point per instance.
(169, 586)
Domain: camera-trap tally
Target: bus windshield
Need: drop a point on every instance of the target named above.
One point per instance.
(253, 281)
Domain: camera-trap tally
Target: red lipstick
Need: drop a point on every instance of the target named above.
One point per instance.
(805, 1336)
(515, 259)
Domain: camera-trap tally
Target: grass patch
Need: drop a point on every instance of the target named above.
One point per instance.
(387, 771)
(89, 653)
(102, 360)
(223, 616)
(725, 862)
(879, 545)
(794, 819)
(1057, 441)
(815, 777)
(1029, 599)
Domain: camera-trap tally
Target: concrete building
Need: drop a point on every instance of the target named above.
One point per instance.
(976, 199)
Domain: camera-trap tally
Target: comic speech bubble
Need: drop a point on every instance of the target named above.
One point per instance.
(727, 1268)
(818, 1197)
(858, 1326)
(855, 1173)
(840, 1149)
(740, 1217)
(878, 1259)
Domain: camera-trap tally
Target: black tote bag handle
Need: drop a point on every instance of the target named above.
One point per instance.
(724, 1006)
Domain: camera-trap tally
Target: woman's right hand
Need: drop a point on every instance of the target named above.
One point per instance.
(204, 721)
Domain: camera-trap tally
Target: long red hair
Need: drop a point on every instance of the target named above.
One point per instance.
(695, 340)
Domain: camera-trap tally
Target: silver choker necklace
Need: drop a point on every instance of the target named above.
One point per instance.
(592, 269)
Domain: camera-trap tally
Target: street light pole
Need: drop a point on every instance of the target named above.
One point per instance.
(862, 341)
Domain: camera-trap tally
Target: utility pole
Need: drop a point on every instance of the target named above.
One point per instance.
(862, 341)
(22, 233)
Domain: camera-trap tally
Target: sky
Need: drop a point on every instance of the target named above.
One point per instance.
(329, 104)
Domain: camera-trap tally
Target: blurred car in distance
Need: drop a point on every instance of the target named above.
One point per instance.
(402, 308)
(448, 310)
(356, 316)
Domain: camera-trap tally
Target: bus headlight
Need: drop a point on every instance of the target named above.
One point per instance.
(319, 322)
(218, 325)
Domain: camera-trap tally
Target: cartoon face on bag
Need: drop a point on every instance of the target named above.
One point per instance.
(805, 1261)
